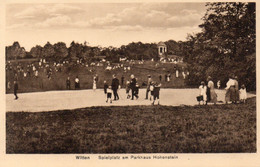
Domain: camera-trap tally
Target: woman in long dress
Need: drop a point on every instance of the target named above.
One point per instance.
(230, 90)
(213, 95)
(94, 84)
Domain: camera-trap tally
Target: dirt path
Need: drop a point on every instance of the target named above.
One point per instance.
(58, 100)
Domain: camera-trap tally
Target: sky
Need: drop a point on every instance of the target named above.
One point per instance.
(101, 24)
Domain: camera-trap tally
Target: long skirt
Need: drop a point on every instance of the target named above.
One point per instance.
(213, 96)
(227, 96)
(237, 95)
(233, 93)
(208, 95)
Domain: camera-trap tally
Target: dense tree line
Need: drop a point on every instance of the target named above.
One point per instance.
(59, 51)
(226, 46)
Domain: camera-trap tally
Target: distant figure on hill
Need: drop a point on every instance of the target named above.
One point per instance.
(15, 90)
(122, 80)
(168, 77)
(77, 84)
(97, 78)
(177, 74)
(94, 84)
(160, 77)
(8, 85)
(165, 77)
(115, 86)
(68, 83)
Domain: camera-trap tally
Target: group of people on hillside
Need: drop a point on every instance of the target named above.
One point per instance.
(207, 92)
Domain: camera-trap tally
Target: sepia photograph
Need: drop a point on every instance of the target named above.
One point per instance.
(130, 78)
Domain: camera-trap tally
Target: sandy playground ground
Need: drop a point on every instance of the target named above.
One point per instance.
(72, 99)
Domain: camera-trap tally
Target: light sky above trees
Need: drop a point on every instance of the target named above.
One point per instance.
(104, 24)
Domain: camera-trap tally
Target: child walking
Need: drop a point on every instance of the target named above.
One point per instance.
(156, 93)
(243, 95)
(109, 94)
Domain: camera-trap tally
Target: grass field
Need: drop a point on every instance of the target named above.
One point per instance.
(58, 81)
(135, 129)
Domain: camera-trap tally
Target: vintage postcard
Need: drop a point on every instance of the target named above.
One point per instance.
(146, 83)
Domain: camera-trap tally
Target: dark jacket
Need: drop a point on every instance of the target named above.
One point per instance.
(15, 87)
(133, 84)
(115, 83)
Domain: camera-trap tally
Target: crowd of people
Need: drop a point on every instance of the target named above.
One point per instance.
(133, 87)
(234, 95)
(207, 90)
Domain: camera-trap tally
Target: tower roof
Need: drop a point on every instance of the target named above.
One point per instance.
(161, 44)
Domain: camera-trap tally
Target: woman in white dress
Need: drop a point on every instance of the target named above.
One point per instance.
(213, 95)
(94, 84)
(243, 95)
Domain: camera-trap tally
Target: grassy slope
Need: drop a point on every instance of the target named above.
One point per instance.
(58, 81)
(135, 129)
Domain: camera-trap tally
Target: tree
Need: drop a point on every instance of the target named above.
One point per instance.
(36, 51)
(15, 51)
(61, 51)
(227, 38)
(48, 50)
(75, 51)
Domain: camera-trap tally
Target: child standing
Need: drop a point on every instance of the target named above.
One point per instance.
(127, 89)
(156, 93)
(243, 95)
(109, 94)
(203, 93)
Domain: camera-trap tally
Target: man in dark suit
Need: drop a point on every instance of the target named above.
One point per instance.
(133, 87)
(115, 85)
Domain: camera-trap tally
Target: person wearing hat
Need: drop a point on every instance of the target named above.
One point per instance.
(148, 86)
(211, 89)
